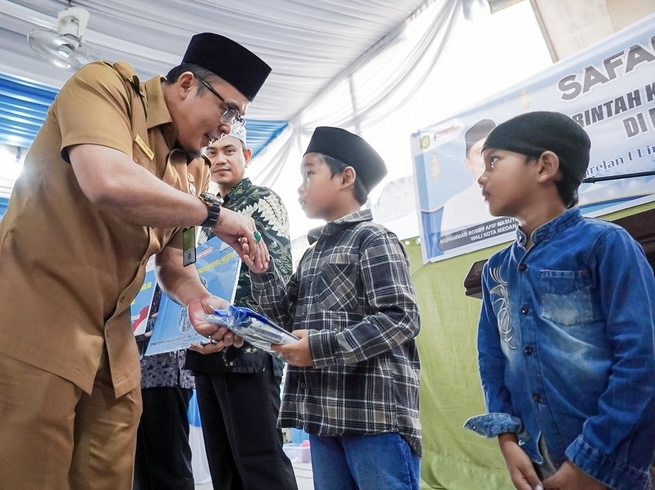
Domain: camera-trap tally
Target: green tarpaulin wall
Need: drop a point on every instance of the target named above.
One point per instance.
(455, 458)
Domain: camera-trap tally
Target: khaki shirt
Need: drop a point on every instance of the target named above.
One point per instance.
(68, 270)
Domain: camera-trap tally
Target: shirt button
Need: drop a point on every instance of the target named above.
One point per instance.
(536, 397)
(525, 309)
(302, 385)
(522, 267)
(528, 350)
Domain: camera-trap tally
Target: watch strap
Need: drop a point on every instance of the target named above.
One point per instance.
(213, 204)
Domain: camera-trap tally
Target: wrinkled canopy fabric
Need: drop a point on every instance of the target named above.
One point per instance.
(367, 92)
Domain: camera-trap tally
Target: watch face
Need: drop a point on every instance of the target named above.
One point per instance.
(210, 199)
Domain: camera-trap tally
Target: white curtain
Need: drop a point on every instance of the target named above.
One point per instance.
(367, 92)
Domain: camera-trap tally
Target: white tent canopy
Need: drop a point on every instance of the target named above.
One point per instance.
(306, 43)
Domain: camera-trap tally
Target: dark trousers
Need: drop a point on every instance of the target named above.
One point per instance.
(239, 426)
(163, 454)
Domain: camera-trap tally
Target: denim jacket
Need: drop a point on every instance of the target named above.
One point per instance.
(567, 351)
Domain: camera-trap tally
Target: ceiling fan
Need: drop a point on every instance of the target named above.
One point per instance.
(63, 46)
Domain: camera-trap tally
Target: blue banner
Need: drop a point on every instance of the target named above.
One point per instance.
(140, 307)
(218, 265)
(608, 89)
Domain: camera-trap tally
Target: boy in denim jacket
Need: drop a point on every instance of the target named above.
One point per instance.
(566, 343)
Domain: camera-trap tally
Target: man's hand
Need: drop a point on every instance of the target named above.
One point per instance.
(239, 231)
(521, 470)
(297, 354)
(218, 337)
(570, 477)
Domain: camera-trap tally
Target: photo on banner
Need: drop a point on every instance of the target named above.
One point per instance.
(218, 265)
(609, 89)
(140, 306)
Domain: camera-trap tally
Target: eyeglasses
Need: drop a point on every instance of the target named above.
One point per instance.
(231, 115)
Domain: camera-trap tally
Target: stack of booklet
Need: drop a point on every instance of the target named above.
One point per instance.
(252, 327)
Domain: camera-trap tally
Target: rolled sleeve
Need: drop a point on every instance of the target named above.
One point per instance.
(494, 424)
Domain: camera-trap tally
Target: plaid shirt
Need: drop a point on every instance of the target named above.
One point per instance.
(353, 292)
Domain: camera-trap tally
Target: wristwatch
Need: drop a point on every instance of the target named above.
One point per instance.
(213, 204)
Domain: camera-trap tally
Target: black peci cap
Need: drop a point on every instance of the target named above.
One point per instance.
(235, 64)
(351, 150)
(533, 133)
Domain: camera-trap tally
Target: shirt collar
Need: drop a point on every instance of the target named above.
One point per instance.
(158, 114)
(238, 188)
(565, 220)
(338, 225)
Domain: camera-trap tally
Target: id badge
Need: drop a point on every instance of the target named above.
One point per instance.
(189, 245)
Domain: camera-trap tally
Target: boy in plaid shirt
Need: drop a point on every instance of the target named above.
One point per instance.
(353, 379)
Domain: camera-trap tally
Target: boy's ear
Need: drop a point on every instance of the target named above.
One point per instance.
(348, 176)
(549, 167)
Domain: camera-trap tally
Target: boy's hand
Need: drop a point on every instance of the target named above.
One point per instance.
(521, 470)
(570, 477)
(297, 354)
(239, 231)
(258, 267)
(263, 258)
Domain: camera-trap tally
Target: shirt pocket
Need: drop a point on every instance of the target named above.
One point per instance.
(567, 297)
(144, 160)
(336, 287)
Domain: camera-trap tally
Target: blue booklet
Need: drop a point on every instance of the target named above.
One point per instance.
(252, 327)
(218, 265)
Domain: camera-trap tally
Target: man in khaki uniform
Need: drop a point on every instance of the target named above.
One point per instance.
(109, 181)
